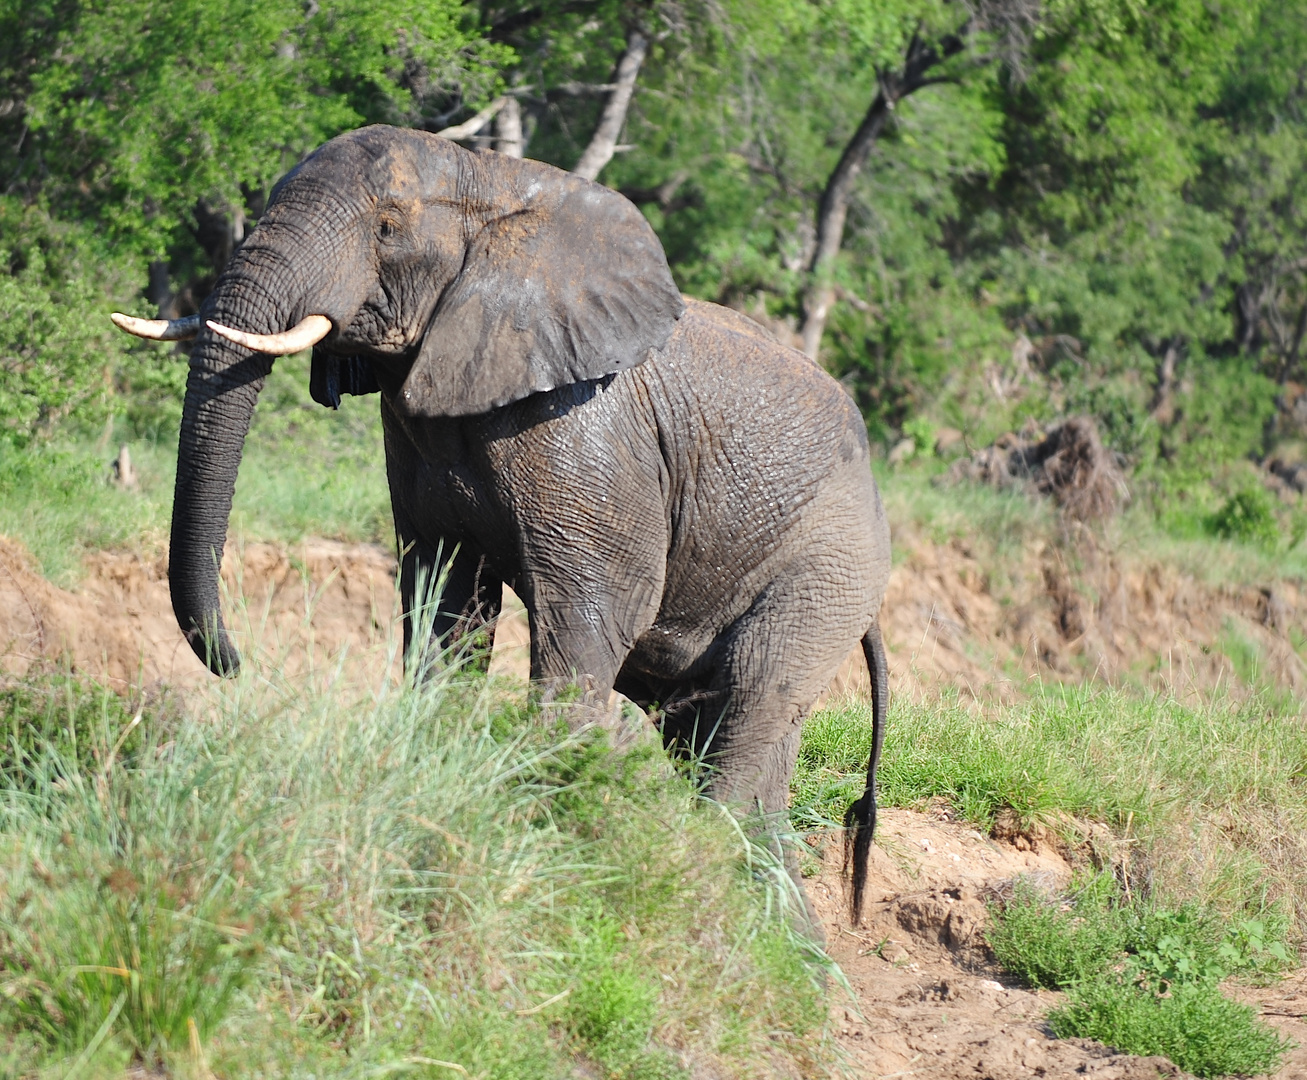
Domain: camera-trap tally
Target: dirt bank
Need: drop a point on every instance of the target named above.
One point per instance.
(1115, 618)
(946, 624)
(296, 606)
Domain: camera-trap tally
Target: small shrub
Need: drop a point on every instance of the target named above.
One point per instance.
(1053, 945)
(1142, 979)
(922, 433)
(57, 721)
(1193, 1024)
(1247, 516)
(613, 1007)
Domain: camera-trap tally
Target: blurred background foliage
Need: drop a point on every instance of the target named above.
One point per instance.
(1068, 206)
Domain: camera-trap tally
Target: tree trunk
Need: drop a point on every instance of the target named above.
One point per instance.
(1163, 408)
(831, 215)
(604, 143)
(1299, 330)
(834, 206)
(508, 129)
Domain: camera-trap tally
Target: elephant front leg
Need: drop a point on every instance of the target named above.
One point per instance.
(451, 599)
(580, 637)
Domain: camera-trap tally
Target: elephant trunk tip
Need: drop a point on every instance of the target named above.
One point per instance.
(215, 650)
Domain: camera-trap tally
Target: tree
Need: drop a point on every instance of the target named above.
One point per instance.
(578, 62)
(130, 113)
(910, 46)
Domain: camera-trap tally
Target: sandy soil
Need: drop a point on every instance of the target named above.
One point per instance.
(1115, 619)
(299, 607)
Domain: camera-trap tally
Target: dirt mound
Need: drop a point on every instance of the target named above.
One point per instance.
(296, 605)
(1069, 464)
(951, 622)
(929, 1002)
(946, 623)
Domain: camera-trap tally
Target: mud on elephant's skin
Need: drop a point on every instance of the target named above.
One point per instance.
(685, 506)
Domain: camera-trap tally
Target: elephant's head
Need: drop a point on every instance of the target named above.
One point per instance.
(459, 281)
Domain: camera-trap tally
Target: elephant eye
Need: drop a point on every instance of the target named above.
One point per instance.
(387, 229)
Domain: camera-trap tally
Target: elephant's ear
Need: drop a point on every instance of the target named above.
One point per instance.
(565, 282)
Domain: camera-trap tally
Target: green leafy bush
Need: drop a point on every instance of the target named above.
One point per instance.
(1054, 945)
(1143, 979)
(922, 433)
(1194, 1025)
(613, 1006)
(59, 724)
(1247, 516)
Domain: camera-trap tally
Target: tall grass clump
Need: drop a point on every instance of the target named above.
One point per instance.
(1209, 795)
(290, 878)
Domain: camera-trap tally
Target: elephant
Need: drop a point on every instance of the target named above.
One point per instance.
(685, 506)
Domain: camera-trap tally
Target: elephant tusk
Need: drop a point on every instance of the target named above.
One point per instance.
(158, 329)
(309, 331)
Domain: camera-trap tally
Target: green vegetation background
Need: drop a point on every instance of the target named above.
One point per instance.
(1101, 213)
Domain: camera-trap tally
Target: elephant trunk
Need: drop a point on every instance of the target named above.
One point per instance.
(221, 390)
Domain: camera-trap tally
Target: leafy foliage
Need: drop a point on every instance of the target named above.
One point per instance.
(1198, 1028)
(1143, 979)
(1246, 516)
(1094, 206)
(135, 110)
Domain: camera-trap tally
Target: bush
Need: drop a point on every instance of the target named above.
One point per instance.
(1053, 946)
(1195, 1026)
(57, 723)
(1247, 516)
(59, 354)
(1142, 979)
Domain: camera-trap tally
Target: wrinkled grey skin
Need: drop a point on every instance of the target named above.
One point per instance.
(685, 507)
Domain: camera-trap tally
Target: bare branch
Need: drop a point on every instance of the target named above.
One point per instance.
(580, 89)
(1162, 407)
(604, 143)
(832, 212)
(508, 129)
(468, 128)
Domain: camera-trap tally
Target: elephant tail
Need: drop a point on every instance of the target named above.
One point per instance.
(860, 819)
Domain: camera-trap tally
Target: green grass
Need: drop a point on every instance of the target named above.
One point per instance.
(1195, 1026)
(306, 471)
(1142, 978)
(1211, 797)
(281, 879)
(997, 526)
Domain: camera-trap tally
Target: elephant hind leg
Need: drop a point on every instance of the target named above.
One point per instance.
(778, 658)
